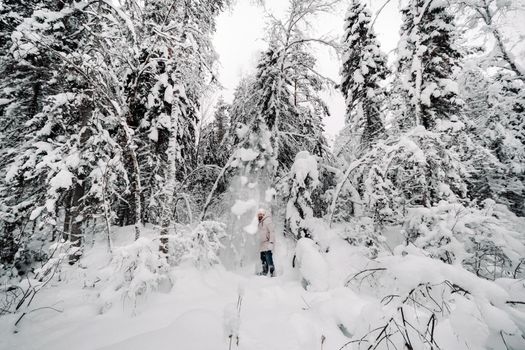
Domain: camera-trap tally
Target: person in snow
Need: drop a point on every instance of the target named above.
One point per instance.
(267, 238)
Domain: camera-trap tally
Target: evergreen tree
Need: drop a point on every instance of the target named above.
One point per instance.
(288, 103)
(427, 65)
(19, 97)
(363, 71)
(307, 132)
(243, 105)
(424, 158)
(215, 142)
(184, 55)
(428, 61)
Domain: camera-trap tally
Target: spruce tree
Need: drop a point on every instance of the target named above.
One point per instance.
(363, 71)
(428, 61)
(420, 161)
(215, 142)
(303, 180)
(183, 59)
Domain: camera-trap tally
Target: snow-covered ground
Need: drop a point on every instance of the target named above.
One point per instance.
(323, 304)
(197, 313)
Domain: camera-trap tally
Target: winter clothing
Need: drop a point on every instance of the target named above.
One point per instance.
(267, 239)
(267, 262)
(266, 234)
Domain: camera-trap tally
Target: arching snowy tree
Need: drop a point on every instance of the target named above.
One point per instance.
(489, 17)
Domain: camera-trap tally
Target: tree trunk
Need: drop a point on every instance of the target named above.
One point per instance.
(67, 218)
(136, 187)
(487, 18)
(75, 226)
(169, 188)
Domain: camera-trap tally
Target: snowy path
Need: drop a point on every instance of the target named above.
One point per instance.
(275, 314)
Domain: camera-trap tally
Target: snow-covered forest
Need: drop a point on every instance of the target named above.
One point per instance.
(129, 216)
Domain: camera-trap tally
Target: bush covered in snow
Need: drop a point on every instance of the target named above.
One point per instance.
(17, 295)
(312, 266)
(135, 270)
(487, 241)
(199, 245)
(425, 304)
(304, 179)
(361, 233)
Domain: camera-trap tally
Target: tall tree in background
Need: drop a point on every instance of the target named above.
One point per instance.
(243, 106)
(287, 87)
(363, 72)
(215, 141)
(428, 60)
(419, 163)
(163, 92)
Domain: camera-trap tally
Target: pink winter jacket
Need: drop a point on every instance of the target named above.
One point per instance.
(266, 234)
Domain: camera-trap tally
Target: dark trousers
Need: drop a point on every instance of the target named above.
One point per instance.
(267, 262)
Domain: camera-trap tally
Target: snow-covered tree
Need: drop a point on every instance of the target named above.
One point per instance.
(55, 153)
(432, 118)
(304, 178)
(307, 84)
(363, 71)
(215, 141)
(243, 106)
(287, 87)
(487, 17)
(188, 57)
(428, 61)
(163, 88)
(18, 101)
(496, 104)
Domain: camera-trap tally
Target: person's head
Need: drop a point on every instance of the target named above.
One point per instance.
(261, 213)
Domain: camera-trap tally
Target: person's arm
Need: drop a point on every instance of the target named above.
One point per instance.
(271, 233)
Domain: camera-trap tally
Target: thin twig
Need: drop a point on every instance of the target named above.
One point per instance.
(37, 309)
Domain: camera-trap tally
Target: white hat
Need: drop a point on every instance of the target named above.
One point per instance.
(261, 211)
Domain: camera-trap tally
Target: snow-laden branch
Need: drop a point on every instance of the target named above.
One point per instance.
(340, 185)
